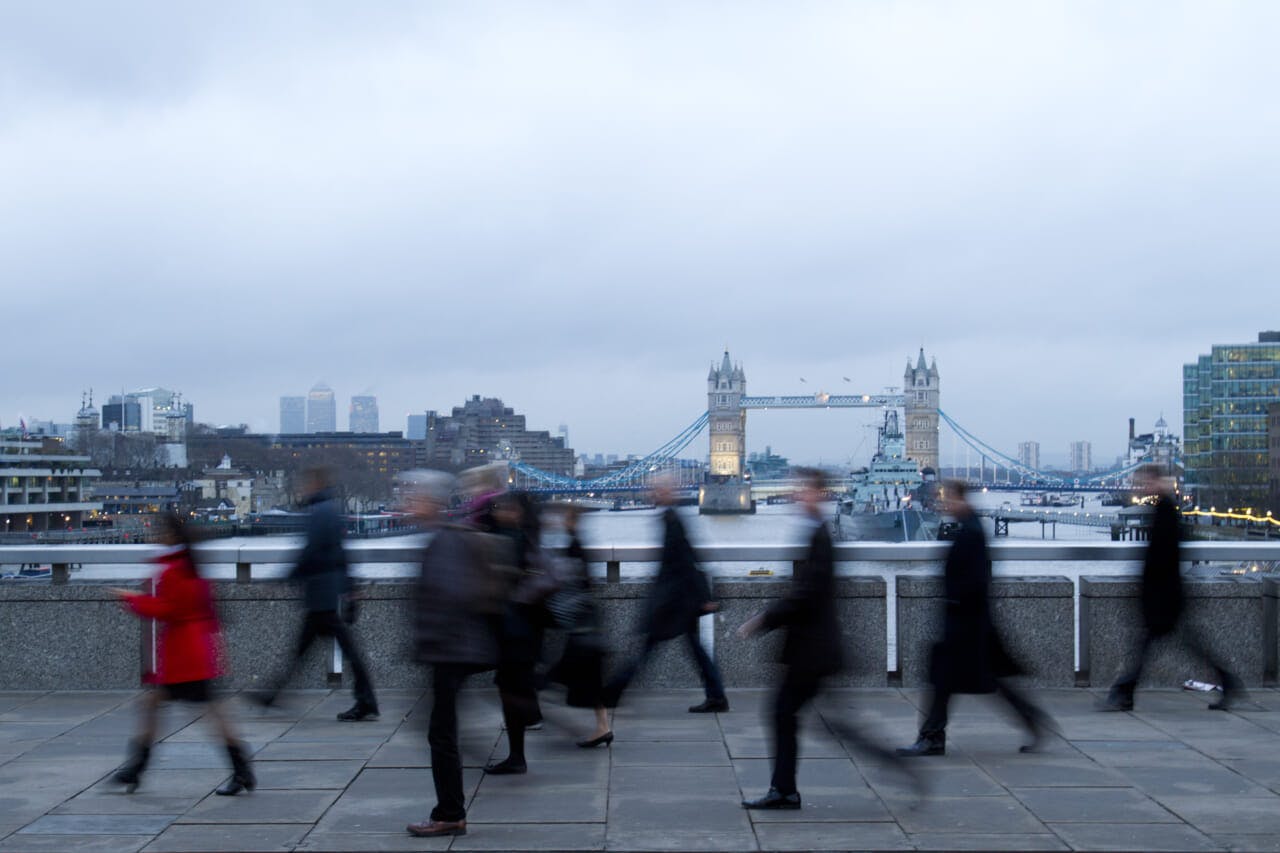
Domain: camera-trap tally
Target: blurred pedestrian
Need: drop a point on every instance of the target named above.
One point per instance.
(812, 650)
(188, 651)
(573, 609)
(1163, 602)
(523, 626)
(459, 603)
(328, 596)
(971, 658)
(679, 595)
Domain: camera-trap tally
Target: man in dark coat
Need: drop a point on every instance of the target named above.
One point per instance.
(812, 649)
(679, 595)
(1162, 597)
(458, 604)
(327, 595)
(971, 657)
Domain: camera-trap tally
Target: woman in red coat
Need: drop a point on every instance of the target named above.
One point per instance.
(188, 651)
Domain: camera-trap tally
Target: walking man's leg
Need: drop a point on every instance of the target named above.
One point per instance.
(1121, 696)
(712, 684)
(366, 707)
(614, 689)
(1033, 717)
(1232, 687)
(793, 694)
(933, 731)
(449, 817)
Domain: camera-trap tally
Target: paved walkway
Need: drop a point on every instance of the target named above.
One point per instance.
(1171, 776)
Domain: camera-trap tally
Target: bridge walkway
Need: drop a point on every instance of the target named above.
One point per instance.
(1170, 776)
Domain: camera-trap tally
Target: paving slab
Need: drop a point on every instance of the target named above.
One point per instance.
(831, 790)
(978, 841)
(21, 843)
(832, 836)
(1227, 814)
(1249, 843)
(1040, 770)
(242, 838)
(371, 842)
(1133, 837)
(1093, 805)
(98, 824)
(680, 754)
(562, 836)
(298, 775)
(262, 807)
(1211, 780)
(966, 814)
(386, 800)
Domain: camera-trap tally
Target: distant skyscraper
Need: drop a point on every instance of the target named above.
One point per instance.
(1029, 454)
(417, 427)
(293, 415)
(322, 409)
(364, 414)
(1081, 453)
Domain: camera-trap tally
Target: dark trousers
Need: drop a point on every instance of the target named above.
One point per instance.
(1192, 641)
(326, 623)
(711, 682)
(442, 734)
(935, 724)
(797, 690)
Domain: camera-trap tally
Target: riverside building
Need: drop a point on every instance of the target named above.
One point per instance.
(43, 488)
(1225, 398)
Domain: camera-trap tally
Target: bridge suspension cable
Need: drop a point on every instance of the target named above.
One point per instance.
(638, 470)
(1049, 478)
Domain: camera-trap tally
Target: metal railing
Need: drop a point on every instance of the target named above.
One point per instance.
(615, 557)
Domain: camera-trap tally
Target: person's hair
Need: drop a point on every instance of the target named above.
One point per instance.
(320, 475)
(437, 485)
(172, 524)
(814, 478)
(957, 489)
(1149, 471)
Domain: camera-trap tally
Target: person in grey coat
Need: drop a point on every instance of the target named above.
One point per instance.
(321, 569)
(459, 601)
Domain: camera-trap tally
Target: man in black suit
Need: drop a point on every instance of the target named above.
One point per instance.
(812, 650)
(1162, 597)
(971, 657)
(679, 595)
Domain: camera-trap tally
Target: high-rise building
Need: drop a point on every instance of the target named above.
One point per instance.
(1225, 395)
(484, 430)
(1273, 451)
(1029, 454)
(322, 409)
(1080, 457)
(417, 427)
(293, 415)
(363, 416)
(122, 414)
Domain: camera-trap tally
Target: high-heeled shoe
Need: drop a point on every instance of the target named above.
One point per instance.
(604, 740)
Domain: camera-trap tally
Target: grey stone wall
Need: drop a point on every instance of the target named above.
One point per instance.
(67, 637)
(860, 605)
(1225, 613)
(1034, 615)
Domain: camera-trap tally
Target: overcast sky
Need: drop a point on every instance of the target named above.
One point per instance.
(575, 207)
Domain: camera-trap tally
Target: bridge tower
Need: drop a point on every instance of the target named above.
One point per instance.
(726, 490)
(920, 410)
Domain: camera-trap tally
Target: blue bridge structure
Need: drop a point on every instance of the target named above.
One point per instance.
(726, 485)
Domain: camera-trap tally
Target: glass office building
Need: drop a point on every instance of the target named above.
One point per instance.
(1226, 394)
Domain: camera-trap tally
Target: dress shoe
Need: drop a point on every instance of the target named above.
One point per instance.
(506, 768)
(923, 746)
(710, 706)
(437, 828)
(1116, 702)
(604, 740)
(359, 713)
(774, 800)
(242, 778)
(261, 698)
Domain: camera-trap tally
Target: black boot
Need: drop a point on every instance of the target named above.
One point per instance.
(241, 773)
(131, 771)
(926, 745)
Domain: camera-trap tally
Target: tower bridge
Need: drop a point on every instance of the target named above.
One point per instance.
(727, 488)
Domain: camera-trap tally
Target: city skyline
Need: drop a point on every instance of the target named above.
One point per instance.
(1038, 195)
